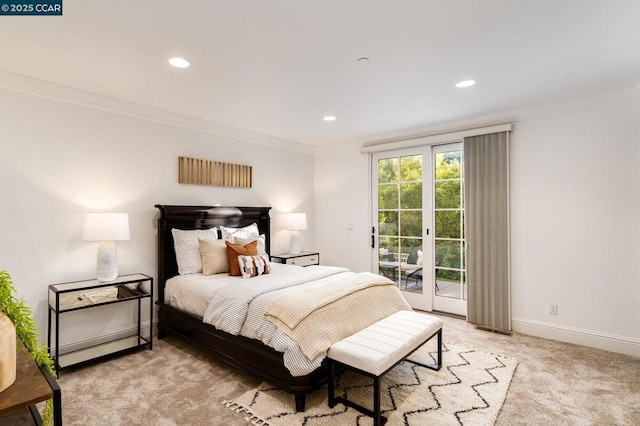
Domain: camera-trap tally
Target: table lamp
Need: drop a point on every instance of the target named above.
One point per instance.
(106, 228)
(295, 222)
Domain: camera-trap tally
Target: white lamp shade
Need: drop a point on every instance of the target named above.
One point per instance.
(106, 227)
(295, 221)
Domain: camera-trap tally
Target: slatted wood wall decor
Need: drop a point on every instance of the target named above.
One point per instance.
(217, 173)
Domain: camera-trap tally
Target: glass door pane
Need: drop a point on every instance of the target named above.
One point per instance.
(388, 216)
(449, 263)
(399, 215)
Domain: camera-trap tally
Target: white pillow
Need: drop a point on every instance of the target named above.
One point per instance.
(250, 231)
(261, 239)
(185, 244)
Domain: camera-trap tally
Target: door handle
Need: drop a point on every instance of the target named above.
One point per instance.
(373, 237)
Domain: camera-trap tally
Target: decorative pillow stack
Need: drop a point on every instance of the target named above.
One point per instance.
(200, 251)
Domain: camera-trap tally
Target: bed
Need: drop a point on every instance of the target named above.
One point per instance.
(241, 321)
(246, 354)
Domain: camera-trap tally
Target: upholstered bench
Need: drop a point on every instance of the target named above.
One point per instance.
(375, 350)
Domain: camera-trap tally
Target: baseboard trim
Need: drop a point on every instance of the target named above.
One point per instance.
(85, 342)
(605, 341)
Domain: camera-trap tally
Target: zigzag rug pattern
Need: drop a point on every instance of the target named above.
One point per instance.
(469, 389)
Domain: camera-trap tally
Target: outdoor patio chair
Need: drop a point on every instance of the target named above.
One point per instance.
(417, 276)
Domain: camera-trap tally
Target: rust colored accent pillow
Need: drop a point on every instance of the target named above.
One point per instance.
(235, 250)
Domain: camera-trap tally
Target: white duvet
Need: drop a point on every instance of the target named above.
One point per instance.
(237, 305)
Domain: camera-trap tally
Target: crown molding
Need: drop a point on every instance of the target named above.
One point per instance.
(67, 94)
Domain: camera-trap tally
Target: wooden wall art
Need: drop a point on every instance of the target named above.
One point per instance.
(217, 173)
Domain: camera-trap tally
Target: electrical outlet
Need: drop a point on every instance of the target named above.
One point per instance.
(553, 309)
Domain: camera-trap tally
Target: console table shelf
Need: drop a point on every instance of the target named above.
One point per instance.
(74, 296)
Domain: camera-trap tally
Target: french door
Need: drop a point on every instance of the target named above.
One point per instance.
(417, 216)
(401, 239)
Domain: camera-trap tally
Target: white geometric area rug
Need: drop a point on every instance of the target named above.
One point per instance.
(469, 389)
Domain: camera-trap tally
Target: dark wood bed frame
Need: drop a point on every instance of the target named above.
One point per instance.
(249, 355)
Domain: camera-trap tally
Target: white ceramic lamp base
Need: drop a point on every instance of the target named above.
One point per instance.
(295, 243)
(107, 262)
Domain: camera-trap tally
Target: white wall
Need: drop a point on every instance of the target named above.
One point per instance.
(575, 205)
(575, 210)
(342, 225)
(59, 160)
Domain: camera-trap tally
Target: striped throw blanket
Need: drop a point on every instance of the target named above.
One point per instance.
(345, 304)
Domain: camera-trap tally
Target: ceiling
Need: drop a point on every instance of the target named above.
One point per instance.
(276, 67)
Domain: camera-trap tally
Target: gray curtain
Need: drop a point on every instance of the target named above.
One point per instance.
(486, 197)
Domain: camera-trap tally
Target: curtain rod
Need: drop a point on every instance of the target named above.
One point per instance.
(435, 138)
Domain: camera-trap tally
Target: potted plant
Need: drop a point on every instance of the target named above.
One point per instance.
(22, 317)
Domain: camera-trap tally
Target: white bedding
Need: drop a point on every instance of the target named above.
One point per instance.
(191, 293)
(236, 305)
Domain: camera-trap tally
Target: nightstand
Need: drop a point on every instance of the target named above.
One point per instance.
(74, 296)
(306, 258)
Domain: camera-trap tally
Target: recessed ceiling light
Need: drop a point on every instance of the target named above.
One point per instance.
(465, 83)
(363, 60)
(329, 118)
(179, 62)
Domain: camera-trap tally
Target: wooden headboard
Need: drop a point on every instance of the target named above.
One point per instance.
(201, 217)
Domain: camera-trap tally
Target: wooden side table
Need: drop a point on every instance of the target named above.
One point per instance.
(33, 384)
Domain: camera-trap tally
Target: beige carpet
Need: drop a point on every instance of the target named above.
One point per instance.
(469, 389)
(175, 384)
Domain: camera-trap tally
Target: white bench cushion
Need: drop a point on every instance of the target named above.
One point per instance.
(380, 346)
